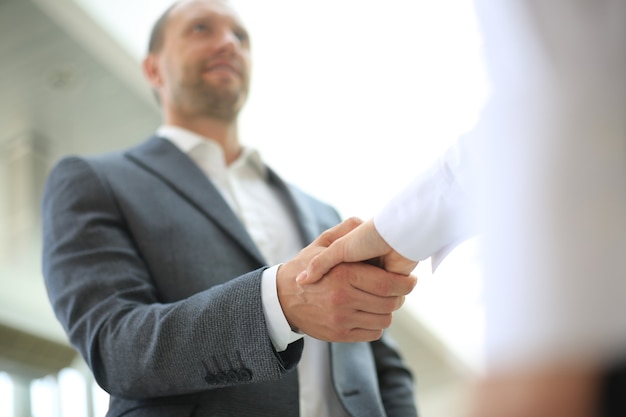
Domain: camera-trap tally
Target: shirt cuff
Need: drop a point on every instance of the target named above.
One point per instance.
(278, 328)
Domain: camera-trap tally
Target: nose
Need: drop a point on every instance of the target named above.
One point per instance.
(228, 41)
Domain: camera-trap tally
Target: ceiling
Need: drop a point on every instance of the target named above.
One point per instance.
(61, 93)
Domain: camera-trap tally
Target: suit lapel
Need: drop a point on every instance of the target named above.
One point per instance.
(304, 216)
(165, 161)
(358, 389)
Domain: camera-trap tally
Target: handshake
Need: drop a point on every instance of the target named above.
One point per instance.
(345, 285)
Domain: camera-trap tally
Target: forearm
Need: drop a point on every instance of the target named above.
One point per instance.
(139, 339)
(138, 347)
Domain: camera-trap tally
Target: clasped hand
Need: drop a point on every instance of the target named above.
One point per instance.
(343, 299)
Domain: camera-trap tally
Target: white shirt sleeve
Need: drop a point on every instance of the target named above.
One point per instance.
(279, 330)
(434, 213)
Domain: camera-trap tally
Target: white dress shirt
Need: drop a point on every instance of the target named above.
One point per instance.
(554, 167)
(244, 186)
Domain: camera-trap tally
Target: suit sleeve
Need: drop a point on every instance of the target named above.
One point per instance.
(136, 345)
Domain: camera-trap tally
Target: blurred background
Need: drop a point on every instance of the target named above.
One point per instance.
(350, 100)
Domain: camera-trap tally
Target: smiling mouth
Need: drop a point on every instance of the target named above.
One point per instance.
(226, 68)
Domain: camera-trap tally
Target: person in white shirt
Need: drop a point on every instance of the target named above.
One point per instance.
(546, 190)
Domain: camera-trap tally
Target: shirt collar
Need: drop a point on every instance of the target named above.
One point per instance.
(184, 139)
(251, 157)
(187, 141)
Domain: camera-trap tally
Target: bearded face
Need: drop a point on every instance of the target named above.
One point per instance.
(217, 88)
(204, 64)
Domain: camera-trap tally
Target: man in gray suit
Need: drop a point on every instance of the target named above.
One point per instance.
(156, 259)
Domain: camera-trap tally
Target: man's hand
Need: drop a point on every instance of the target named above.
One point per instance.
(361, 243)
(353, 302)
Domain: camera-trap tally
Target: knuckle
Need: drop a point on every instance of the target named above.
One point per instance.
(341, 271)
(336, 320)
(314, 263)
(392, 305)
(383, 287)
(352, 219)
(376, 334)
(386, 321)
(338, 297)
(409, 283)
(386, 288)
(340, 334)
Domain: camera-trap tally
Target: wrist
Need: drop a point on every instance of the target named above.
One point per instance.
(286, 289)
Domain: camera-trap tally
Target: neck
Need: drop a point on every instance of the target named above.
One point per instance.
(223, 132)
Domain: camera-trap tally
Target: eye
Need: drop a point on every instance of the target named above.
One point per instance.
(200, 27)
(242, 35)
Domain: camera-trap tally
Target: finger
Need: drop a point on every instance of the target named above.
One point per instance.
(330, 238)
(376, 281)
(355, 325)
(363, 335)
(353, 299)
(334, 233)
(322, 263)
(360, 244)
(372, 304)
(360, 320)
(351, 335)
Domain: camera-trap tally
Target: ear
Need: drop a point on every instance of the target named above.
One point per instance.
(152, 71)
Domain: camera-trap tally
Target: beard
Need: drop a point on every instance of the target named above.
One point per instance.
(198, 97)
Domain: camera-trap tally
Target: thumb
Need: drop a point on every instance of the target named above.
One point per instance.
(326, 239)
(321, 263)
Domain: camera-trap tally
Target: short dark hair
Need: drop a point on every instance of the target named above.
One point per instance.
(157, 36)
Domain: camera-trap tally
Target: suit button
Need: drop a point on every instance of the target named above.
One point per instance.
(244, 374)
(210, 379)
(221, 378)
(232, 376)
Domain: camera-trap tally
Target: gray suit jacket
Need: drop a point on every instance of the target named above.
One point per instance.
(157, 285)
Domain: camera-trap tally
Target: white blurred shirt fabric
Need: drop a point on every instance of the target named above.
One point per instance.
(543, 178)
